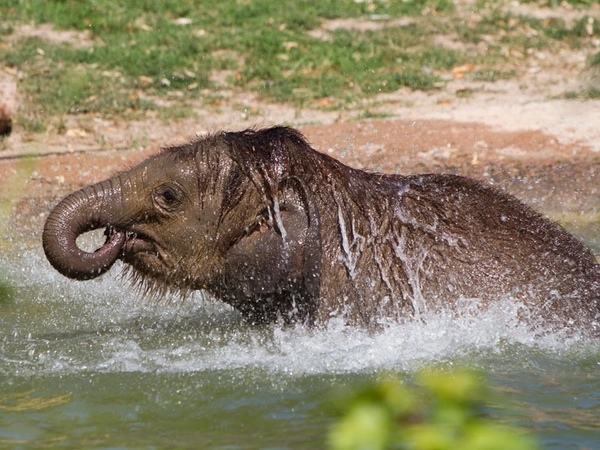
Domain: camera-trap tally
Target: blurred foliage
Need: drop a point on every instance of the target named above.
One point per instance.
(5, 291)
(444, 411)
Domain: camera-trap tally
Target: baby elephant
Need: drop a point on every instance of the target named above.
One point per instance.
(283, 233)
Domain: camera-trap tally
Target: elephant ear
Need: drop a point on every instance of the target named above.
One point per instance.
(279, 258)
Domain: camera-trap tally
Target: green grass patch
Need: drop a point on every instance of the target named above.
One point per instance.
(587, 94)
(142, 51)
(368, 114)
(556, 3)
(159, 58)
(492, 75)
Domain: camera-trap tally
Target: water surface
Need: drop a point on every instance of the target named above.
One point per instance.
(94, 365)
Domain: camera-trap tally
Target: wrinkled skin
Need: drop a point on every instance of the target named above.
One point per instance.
(282, 232)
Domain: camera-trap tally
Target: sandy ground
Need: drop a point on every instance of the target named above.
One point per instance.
(520, 135)
(545, 151)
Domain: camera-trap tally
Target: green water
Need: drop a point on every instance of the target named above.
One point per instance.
(91, 365)
(208, 409)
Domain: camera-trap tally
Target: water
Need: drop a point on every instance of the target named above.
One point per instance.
(93, 365)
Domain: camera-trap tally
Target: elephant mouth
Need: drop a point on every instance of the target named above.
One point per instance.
(138, 245)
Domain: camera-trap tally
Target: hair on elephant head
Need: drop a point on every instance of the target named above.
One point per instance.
(282, 232)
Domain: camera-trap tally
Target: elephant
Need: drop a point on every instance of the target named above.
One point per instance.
(284, 233)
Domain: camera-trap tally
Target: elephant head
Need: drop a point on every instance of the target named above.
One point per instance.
(205, 215)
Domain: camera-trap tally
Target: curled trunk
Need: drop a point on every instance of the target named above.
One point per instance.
(82, 211)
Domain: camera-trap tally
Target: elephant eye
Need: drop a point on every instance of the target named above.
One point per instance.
(168, 197)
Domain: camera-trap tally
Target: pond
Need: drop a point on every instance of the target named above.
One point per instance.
(95, 365)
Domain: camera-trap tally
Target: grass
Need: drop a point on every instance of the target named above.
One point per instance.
(588, 94)
(555, 3)
(157, 58)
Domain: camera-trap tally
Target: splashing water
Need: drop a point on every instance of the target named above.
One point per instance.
(97, 354)
(65, 326)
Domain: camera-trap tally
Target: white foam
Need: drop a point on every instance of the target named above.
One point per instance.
(102, 326)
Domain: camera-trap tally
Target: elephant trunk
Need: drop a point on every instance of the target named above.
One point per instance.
(84, 210)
